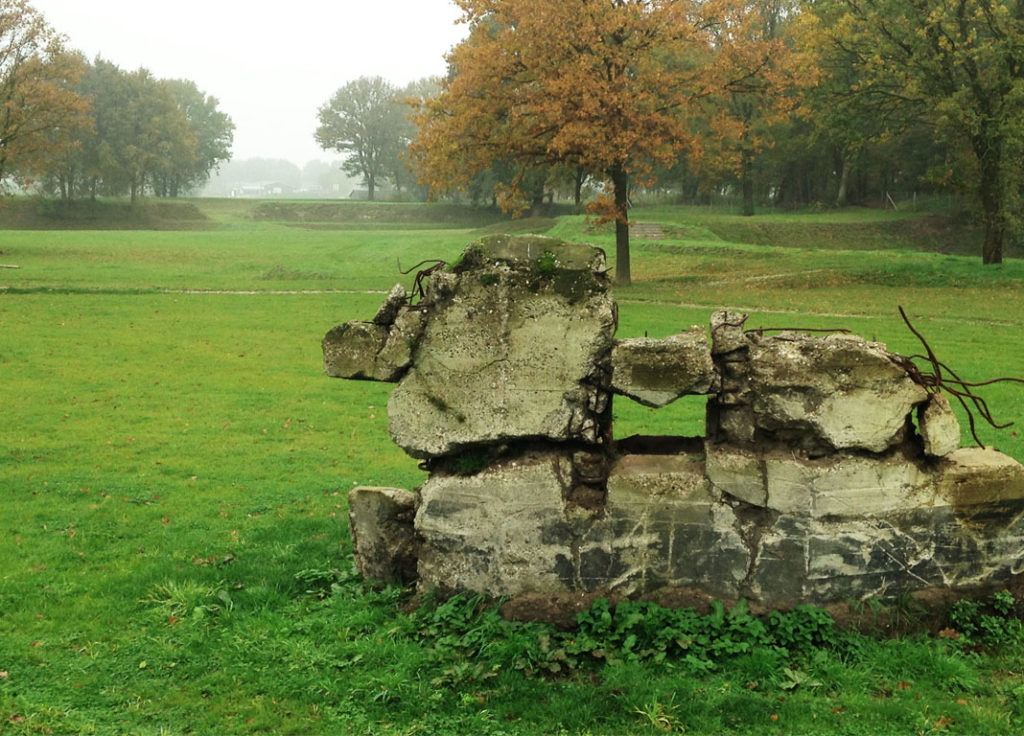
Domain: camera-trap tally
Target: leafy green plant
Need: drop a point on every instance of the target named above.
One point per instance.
(989, 623)
(318, 582)
(636, 631)
(801, 628)
(546, 265)
(791, 679)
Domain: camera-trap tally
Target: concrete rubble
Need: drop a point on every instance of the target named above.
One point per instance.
(814, 484)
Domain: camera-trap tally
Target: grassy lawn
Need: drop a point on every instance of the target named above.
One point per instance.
(174, 468)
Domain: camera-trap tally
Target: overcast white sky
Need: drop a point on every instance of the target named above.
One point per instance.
(271, 64)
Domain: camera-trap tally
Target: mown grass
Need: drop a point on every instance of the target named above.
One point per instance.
(174, 469)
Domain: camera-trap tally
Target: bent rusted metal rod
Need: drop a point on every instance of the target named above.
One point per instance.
(953, 385)
(417, 284)
(435, 261)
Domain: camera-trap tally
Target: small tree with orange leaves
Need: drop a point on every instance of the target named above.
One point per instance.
(763, 74)
(599, 84)
(40, 113)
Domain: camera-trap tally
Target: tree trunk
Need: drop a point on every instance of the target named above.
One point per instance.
(620, 185)
(993, 216)
(844, 181)
(992, 249)
(747, 176)
(370, 187)
(577, 192)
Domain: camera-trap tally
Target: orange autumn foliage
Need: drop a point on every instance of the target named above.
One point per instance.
(605, 85)
(40, 113)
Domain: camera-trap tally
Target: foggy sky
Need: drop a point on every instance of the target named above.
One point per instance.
(270, 64)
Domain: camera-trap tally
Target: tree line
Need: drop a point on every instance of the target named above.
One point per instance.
(783, 102)
(77, 128)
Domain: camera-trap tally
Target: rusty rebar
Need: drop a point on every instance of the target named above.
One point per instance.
(951, 382)
(417, 284)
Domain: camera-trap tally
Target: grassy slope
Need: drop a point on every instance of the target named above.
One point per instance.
(173, 470)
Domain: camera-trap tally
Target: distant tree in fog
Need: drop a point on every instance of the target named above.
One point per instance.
(365, 120)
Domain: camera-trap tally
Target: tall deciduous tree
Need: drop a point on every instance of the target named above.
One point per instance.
(599, 84)
(365, 120)
(958, 65)
(412, 97)
(763, 74)
(202, 146)
(40, 113)
(140, 130)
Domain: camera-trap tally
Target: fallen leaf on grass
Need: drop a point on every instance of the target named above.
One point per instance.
(4, 674)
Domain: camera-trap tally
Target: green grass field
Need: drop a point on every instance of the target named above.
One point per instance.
(174, 468)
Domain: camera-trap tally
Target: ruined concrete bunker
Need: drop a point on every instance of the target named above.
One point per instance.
(827, 473)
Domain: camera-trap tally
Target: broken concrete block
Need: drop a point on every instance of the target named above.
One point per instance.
(518, 348)
(737, 473)
(375, 351)
(396, 299)
(383, 540)
(350, 350)
(845, 485)
(657, 372)
(938, 425)
(665, 527)
(822, 394)
(974, 477)
(502, 531)
(404, 336)
(727, 332)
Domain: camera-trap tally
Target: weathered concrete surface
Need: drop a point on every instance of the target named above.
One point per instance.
(509, 530)
(839, 486)
(847, 527)
(667, 527)
(516, 347)
(397, 298)
(501, 531)
(727, 332)
(939, 427)
(378, 350)
(976, 477)
(350, 350)
(657, 372)
(383, 540)
(817, 393)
